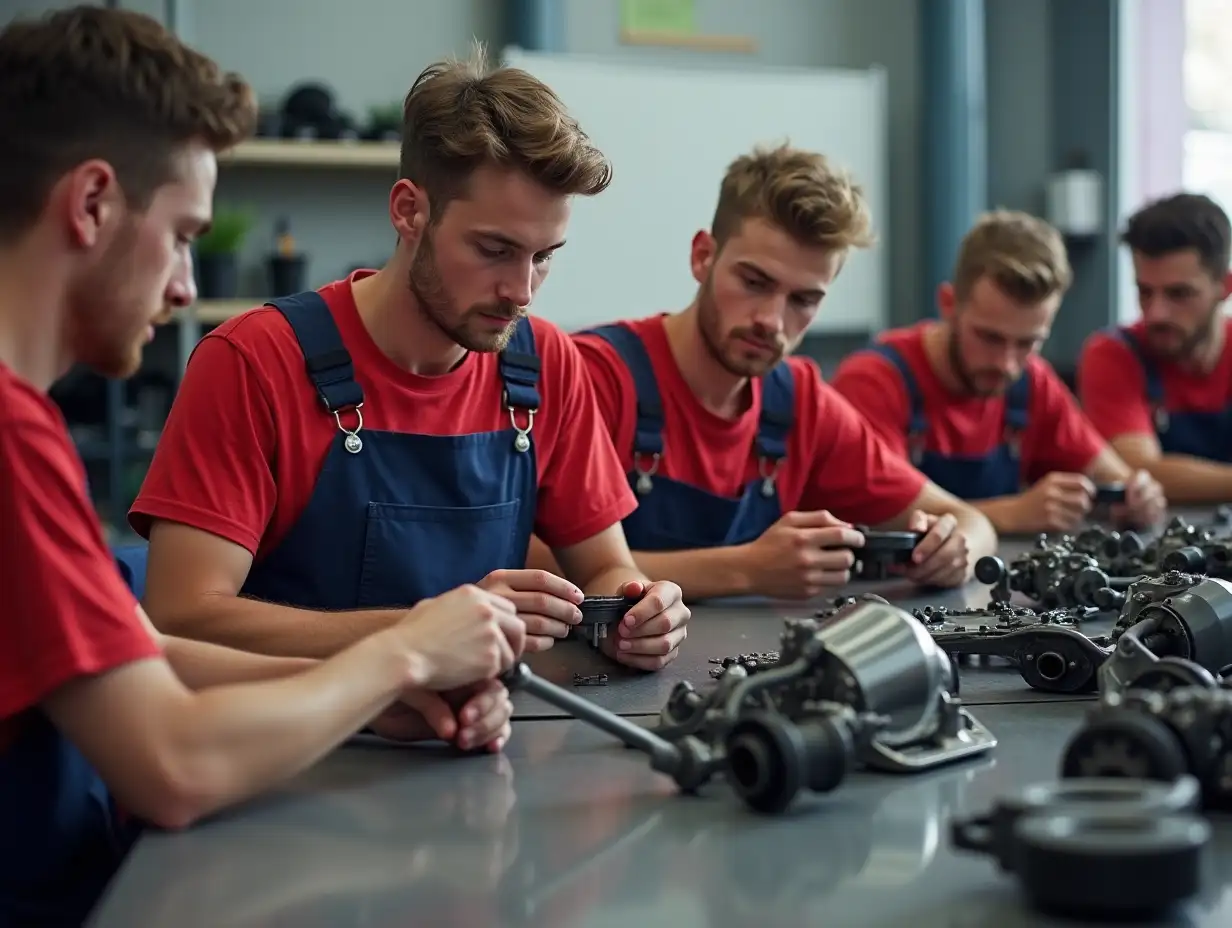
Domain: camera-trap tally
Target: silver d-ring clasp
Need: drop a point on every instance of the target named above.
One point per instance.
(521, 441)
(768, 476)
(353, 443)
(644, 484)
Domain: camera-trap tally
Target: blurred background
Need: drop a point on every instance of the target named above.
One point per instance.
(1076, 110)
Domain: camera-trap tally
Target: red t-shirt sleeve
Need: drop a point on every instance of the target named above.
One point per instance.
(1112, 387)
(855, 475)
(68, 612)
(1064, 438)
(212, 467)
(875, 390)
(582, 488)
(615, 393)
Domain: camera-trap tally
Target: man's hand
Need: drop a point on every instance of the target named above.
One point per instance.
(1058, 502)
(548, 604)
(1145, 505)
(802, 555)
(650, 634)
(475, 716)
(941, 558)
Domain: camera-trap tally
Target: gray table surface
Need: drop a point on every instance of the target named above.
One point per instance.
(568, 830)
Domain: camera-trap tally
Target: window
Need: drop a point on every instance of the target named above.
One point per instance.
(1207, 161)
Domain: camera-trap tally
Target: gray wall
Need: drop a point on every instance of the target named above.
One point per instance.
(339, 216)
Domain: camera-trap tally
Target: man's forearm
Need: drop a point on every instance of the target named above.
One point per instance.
(701, 573)
(1188, 480)
(981, 534)
(1002, 512)
(272, 629)
(236, 741)
(199, 664)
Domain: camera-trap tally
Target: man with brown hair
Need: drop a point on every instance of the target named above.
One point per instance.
(749, 471)
(1160, 390)
(337, 455)
(107, 173)
(969, 400)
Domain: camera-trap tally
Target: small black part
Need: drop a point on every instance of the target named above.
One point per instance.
(1188, 560)
(604, 610)
(593, 679)
(1110, 866)
(889, 542)
(989, 569)
(1110, 493)
(1123, 743)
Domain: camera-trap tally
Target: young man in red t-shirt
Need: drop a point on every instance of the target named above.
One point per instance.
(333, 456)
(750, 471)
(969, 400)
(1160, 390)
(106, 176)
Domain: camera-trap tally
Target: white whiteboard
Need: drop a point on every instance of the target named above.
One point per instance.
(670, 133)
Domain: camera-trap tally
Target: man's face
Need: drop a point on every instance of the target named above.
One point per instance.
(1179, 300)
(758, 294)
(992, 335)
(141, 270)
(477, 270)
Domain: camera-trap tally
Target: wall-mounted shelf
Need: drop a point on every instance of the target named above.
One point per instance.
(313, 154)
(214, 312)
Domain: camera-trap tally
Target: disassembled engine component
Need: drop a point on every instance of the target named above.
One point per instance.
(1105, 848)
(593, 679)
(883, 550)
(1047, 574)
(866, 687)
(754, 660)
(599, 612)
(1186, 730)
(1212, 541)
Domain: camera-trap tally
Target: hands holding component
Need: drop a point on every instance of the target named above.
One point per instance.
(650, 634)
(941, 558)
(1059, 502)
(801, 556)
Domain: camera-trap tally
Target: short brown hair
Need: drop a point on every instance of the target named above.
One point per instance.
(1022, 254)
(1180, 222)
(799, 191)
(461, 115)
(90, 82)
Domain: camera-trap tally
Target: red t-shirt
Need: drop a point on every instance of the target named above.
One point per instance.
(1112, 384)
(246, 438)
(1058, 436)
(834, 461)
(67, 611)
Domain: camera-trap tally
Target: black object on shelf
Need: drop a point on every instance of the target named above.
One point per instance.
(288, 267)
(218, 276)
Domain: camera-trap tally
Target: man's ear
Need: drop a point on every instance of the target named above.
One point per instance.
(945, 300)
(409, 211)
(702, 252)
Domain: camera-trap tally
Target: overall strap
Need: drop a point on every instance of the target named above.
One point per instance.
(648, 435)
(1018, 405)
(778, 408)
(326, 358)
(519, 368)
(917, 425)
(1154, 385)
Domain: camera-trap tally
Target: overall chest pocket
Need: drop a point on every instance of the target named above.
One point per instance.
(415, 552)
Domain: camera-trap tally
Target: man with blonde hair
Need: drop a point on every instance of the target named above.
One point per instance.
(336, 456)
(750, 472)
(969, 400)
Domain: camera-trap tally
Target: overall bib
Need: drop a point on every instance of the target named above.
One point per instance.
(673, 516)
(970, 477)
(1199, 434)
(395, 518)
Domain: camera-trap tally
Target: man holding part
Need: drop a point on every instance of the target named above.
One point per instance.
(750, 471)
(1160, 390)
(107, 174)
(336, 456)
(970, 401)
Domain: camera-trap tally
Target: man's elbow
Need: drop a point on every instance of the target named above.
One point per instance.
(179, 787)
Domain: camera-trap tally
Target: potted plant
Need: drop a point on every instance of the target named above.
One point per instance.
(218, 254)
(385, 122)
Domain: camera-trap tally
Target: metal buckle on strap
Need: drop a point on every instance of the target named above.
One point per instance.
(768, 477)
(521, 441)
(644, 484)
(353, 443)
